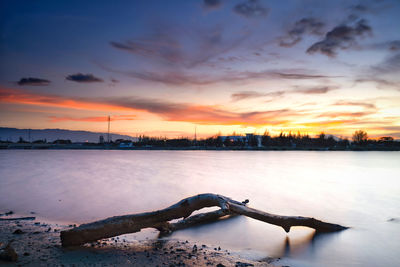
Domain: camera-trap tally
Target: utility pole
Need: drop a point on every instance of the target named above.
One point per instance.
(195, 134)
(108, 132)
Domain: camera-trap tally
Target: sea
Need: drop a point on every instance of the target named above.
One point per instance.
(360, 190)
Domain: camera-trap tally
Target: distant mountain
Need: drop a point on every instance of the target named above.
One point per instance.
(13, 134)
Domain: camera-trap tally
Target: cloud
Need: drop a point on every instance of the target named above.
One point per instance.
(33, 81)
(83, 78)
(359, 8)
(93, 119)
(180, 47)
(181, 78)
(169, 111)
(355, 103)
(250, 9)
(390, 65)
(341, 37)
(316, 90)
(166, 50)
(253, 94)
(212, 4)
(380, 83)
(344, 114)
(392, 46)
(300, 28)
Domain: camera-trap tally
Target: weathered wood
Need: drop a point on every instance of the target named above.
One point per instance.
(286, 222)
(119, 225)
(194, 220)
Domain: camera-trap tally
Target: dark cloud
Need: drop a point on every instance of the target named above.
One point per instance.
(212, 4)
(114, 80)
(250, 9)
(301, 76)
(341, 37)
(33, 81)
(300, 28)
(83, 78)
(253, 94)
(316, 90)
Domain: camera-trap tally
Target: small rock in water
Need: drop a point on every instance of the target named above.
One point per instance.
(9, 213)
(18, 232)
(220, 265)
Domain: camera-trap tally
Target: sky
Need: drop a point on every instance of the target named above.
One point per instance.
(166, 68)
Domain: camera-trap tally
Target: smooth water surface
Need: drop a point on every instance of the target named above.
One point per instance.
(357, 189)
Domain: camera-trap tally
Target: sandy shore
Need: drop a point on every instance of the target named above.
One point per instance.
(38, 244)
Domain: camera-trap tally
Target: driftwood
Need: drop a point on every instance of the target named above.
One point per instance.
(159, 219)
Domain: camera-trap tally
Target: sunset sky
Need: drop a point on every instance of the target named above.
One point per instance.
(162, 68)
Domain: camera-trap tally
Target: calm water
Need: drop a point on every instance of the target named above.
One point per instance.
(358, 189)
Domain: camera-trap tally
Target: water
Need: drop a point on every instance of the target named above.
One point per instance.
(357, 189)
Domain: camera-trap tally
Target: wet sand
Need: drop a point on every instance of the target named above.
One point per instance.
(38, 244)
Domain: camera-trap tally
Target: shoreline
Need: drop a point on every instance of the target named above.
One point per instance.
(37, 243)
(189, 148)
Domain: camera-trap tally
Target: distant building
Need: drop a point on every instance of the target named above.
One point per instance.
(126, 144)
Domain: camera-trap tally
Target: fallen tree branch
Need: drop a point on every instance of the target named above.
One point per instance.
(119, 225)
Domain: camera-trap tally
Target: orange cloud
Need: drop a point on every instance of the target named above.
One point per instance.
(201, 114)
(94, 119)
(22, 97)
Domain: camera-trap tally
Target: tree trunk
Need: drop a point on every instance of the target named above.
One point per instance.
(159, 219)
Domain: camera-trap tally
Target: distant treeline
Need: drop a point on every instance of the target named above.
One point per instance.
(283, 141)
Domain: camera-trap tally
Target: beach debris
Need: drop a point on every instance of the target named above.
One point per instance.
(7, 253)
(118, 225)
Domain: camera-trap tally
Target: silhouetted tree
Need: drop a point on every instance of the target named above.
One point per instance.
(360, 136)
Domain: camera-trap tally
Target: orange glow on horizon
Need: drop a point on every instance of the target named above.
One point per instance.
(182, 117)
